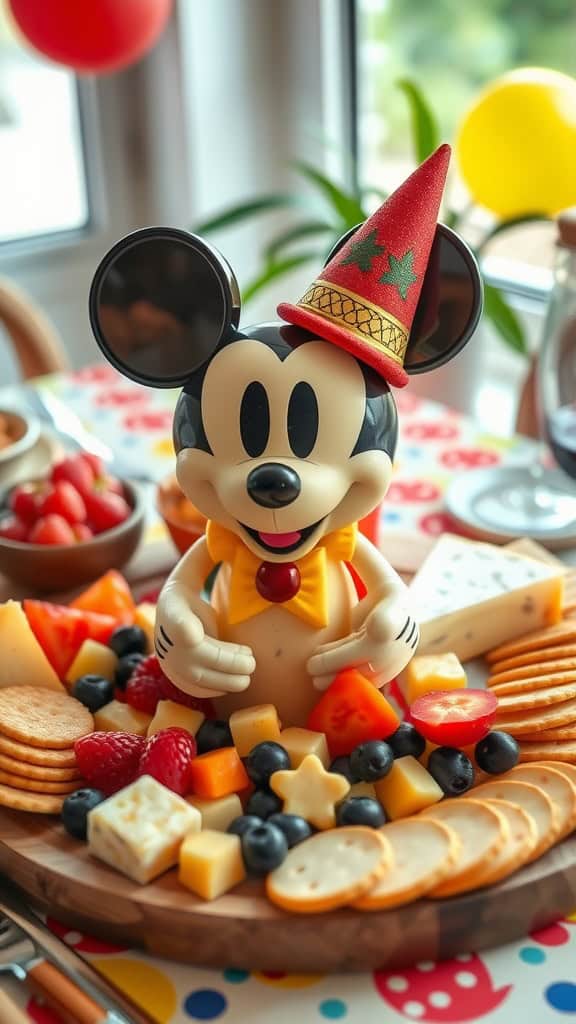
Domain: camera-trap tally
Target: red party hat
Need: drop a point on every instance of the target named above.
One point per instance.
(366, 296)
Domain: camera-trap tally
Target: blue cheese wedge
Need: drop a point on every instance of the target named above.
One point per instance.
(469, 597)
(140, 829)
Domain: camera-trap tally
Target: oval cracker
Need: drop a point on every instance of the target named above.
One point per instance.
(482, 830)
(560, 790)
(534, 801)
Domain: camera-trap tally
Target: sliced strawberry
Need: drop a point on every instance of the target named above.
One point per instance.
(454, 718)
(13, 528)
(25, 501)
(52, 529)
(106, 510)
(64, 500)
(75, 471)
(61, 631)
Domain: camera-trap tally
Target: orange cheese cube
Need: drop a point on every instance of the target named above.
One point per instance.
(407, 789)
(93, 659)
(145, 617)
(169, 713)
(218, 773)
(428, 672)
(118, 717)
(362, 789)
(217, 814)
(298, 743)
(211, 863)
(250, 726)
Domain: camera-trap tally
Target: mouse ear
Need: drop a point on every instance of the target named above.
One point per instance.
(342, 241)
(449, 306)
(160, 303)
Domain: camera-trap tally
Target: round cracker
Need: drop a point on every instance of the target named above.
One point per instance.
(533, 800)
(518, 849)
(559, 750)
(548, 676)
(552, 717)
(38, 785)
(537, 657)
(34, 755)
(329, 870)
(35, 803)
(540, 639)
(36, 771)
(510, 703)
(561, 791)
(564, 732)
(43, 718)
(482, 831)
(567, 770)
(411, 874)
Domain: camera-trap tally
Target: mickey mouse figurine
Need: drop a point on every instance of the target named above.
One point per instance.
(285, 434)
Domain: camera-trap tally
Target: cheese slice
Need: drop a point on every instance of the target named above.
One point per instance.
(140, 829)
(469, 597)
(23, 662)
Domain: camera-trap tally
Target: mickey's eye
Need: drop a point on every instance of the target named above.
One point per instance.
(302, 420)
(255, 419)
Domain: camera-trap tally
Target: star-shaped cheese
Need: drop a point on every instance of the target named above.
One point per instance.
(311, 791)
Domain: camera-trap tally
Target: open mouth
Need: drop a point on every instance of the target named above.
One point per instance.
(282, 543)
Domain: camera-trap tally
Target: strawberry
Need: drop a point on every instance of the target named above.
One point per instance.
(106, 510)
(167, 758)
(94, 462)
(109, 760)
(52, 529)
(82, 532)
(64, 500)
(25, 500)
(75, 471)
(12, 528)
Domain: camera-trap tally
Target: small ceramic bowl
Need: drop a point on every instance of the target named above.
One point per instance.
(184, 522)
(50, 568)
(18, 434)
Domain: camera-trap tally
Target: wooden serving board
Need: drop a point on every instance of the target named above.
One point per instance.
(243, 930)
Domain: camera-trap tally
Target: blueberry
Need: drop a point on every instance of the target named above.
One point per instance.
(371, 761)
(406, 740)
(293, 826)
(360, 810)
(75, 810)
(452, 770)
(263, 803)
(242, 823)
(498, 752)
(128, 640)
(263, 760)
(341, 765)
(263, 849)
(125, 668)
(212, 735)
(93, 691)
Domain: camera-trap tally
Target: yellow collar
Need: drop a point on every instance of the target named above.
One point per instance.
(310, 603)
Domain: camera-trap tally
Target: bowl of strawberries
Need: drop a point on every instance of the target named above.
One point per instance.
(69, 527)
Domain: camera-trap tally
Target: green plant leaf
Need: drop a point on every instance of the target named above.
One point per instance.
(507, 225)
(425, 131)
(347, 206)
(303, 230)
(274, 270)
(451, 219)
(504, 319)
(243, 211)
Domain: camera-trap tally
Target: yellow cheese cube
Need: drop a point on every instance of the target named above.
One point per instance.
(169, 713)
(300, 742)
(362, 789)
(428, 672)
(139, 830)
(407, 789)
(250, 726)
(93, 659)
(23, 662)
(145, 617)
(211, 863)
(118, 717)
(217, 814)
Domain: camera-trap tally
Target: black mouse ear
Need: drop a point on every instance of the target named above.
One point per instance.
(341, 242)
(160, 303)
(449, 306)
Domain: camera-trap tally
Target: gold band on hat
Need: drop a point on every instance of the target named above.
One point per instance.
(357, 316)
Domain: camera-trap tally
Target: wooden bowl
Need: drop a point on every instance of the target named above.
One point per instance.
(50, 568)
(184, 522)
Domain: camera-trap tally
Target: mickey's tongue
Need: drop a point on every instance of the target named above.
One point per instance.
(280, 540)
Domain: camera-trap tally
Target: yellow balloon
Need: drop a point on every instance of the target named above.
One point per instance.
(516, 146)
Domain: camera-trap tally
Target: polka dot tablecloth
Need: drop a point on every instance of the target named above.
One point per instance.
(532, 981)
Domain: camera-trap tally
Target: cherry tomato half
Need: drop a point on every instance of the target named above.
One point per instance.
(454, 718)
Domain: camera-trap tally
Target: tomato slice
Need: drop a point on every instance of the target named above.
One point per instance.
(454, 718)
(352, 711)
(61, 631)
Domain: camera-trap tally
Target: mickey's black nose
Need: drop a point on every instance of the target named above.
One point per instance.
(273, 485)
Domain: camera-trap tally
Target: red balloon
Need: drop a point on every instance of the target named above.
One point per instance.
(92, 35)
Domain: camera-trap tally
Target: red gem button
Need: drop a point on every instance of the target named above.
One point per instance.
(278, 581)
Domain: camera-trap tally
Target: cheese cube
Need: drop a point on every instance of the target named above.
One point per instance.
(428, 672)
(469, 597)
(211, 863)
(298, 743)
(169, 713)
(93, 659)
(118, 717)
(140, 829)
(145, 617)
(362, 789)
(407, 789)
(23, 662)
(250, 726)
(217, 814)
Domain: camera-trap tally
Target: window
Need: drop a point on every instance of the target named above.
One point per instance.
(451, 48)
(41, 158)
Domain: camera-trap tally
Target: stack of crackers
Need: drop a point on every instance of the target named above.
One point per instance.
(38, 729)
